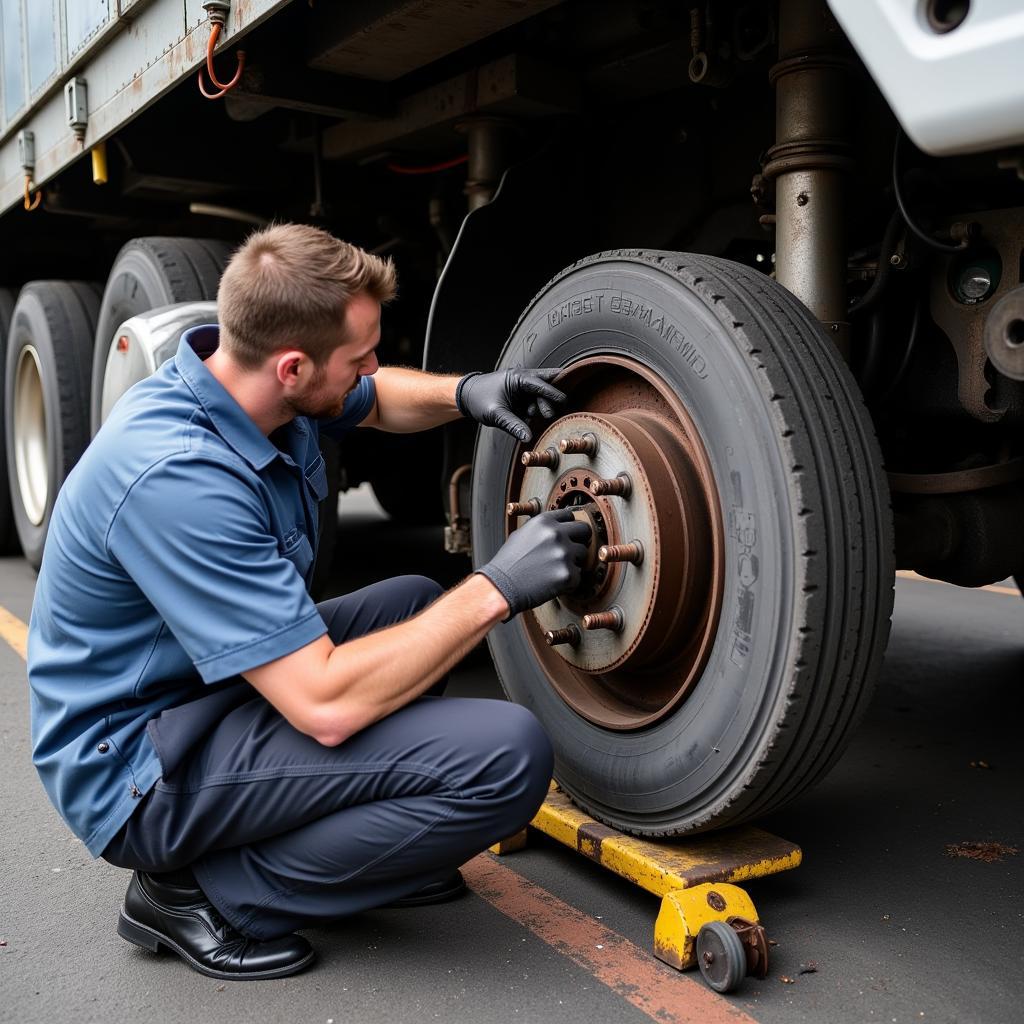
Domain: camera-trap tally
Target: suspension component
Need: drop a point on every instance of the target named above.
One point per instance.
(548, 457)
(523, 508)
(568, 635)
(612, 619)
(632, 552)
(579, 444)
(619, 485)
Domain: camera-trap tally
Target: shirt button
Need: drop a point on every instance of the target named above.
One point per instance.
(103, 747)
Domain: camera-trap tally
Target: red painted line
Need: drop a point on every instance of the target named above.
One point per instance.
(665, 995)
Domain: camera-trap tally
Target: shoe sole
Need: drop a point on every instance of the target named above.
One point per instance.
(422, 901)
(148, 938)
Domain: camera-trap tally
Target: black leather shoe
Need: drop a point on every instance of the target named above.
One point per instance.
(437, 892)
(157, 915)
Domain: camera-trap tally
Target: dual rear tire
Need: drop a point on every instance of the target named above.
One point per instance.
(59, 337)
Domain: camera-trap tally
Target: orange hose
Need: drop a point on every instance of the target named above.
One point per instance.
(223, 87)
(30, 203)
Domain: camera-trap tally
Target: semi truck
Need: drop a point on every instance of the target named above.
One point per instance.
(776, 248)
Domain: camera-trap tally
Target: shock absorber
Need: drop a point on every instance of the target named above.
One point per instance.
(809, 162)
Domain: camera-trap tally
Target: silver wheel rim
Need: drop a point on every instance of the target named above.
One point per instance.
(30, 454)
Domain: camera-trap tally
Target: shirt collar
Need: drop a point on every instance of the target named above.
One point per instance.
(231, 420)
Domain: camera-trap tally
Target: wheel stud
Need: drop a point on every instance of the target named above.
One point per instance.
(568, 635)
(620, 485)
(579, 444)
(612, 619)
(548, 458)
(633, 552)
(523, 508)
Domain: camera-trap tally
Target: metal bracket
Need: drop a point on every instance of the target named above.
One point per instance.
(76, 105)
(27, 151)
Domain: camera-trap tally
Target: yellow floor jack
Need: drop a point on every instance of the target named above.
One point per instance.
(706, 919)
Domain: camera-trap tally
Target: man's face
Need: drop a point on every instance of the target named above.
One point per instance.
(356, 357)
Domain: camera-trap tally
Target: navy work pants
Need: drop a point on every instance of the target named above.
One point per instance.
(282, 832)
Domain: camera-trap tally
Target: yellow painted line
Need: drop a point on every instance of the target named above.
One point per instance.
(907, 574)
(14, 631)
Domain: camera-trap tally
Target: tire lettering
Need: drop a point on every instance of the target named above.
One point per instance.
(578, 306)
(655, 319)
(743, 530)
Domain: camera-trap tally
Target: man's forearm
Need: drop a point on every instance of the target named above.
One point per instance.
(370, 677)
(411, 400)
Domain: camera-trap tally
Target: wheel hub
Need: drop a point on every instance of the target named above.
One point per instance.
(30, 441)
(630, 641)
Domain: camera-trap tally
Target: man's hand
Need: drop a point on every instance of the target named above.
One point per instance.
(501, 398)
(540, 560)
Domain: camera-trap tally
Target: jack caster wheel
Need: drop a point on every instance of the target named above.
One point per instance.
(720, 956)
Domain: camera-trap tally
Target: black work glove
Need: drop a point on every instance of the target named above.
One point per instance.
(540, 560)
(501, 398)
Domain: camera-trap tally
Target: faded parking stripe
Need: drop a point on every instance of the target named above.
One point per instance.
(14, 632)
(661, 993)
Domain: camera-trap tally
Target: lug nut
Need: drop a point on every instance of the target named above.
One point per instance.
(523, 508)
(548, 457)
(612, 619)
(569, 635)
(620, 485)
(579, 444)
(633, 552)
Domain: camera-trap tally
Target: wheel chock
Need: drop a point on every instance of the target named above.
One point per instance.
(705, 919)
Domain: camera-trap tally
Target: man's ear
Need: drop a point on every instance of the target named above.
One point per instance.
(288, 367)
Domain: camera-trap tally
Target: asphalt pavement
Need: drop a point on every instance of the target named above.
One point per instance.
(886, 920)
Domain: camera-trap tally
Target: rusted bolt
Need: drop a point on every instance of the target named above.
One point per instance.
(716, 901)
(633, 552)
(523, 508)
(620, 485)
(548, 457)
(568, 635)
(579, 444)
(612, 619)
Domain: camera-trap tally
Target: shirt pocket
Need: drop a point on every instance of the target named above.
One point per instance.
(296, 548)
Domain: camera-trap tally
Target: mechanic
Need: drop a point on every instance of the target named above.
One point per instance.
(260, 762)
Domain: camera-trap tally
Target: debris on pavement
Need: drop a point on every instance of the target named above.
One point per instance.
(811, 968)
(787, 980)
(989, 852)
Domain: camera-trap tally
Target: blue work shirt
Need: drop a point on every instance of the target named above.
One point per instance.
(178, 555)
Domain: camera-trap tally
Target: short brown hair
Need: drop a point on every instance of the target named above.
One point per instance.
(288, 285)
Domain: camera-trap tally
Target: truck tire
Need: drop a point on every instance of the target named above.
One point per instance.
(8, 535)
(46, 399)
(753, 627)
(152, 272)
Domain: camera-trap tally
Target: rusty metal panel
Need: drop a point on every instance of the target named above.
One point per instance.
(384, 41)
(129, 62)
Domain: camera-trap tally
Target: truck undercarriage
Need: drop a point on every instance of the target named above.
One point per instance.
(710, 217)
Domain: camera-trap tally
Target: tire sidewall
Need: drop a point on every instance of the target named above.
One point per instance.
(133, 265)
(690, 761)
(29, 326)
(8, 537)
